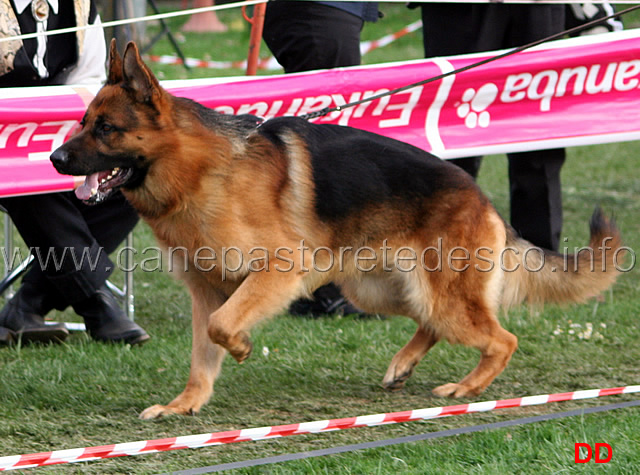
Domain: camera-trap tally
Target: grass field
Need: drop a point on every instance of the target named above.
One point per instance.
(83, 394)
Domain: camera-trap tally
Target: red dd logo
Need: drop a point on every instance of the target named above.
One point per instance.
(597, 452)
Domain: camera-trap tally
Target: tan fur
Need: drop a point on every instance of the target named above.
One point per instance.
(220, 190)
(558, 281)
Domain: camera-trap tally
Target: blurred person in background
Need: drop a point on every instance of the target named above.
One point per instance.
(305, 36)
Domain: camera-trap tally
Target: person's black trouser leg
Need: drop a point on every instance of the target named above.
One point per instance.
(305, 36)
(536, 196)
(71, 242)
(471, 165)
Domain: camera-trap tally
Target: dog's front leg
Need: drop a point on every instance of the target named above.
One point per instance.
(260, 295)
(206, 360)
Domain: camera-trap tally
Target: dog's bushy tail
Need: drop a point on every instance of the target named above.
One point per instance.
(538, 276)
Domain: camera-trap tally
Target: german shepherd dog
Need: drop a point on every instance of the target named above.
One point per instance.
(399, 230)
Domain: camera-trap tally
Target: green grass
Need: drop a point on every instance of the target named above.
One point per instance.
(84, 394)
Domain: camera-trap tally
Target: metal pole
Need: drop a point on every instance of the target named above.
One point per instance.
(8, 245)
(128, 276)
(257, 23)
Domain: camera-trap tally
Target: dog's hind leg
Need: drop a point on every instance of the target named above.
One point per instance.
(403, 363)
(478, 327)
(206, 360)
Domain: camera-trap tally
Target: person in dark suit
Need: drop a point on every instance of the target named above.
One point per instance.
(58, 225)
(305, 36)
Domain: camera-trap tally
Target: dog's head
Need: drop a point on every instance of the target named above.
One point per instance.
(121, 130)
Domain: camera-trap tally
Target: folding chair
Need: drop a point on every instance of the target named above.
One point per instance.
(11, 275)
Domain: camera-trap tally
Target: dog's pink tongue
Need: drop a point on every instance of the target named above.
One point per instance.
(85, 191)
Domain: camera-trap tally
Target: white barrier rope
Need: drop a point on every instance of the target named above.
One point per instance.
(246, 3)
(127, 21)
(84, 454)
(270, 63)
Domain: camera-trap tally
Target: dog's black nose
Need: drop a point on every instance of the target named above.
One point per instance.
(59, 157)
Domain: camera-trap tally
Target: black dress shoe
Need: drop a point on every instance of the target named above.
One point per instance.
(327, 300)
(21, 318)
(105, 320)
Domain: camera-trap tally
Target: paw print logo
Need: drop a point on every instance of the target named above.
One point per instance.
(473, 108)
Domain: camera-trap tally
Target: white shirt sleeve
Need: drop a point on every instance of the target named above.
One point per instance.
(91, 68)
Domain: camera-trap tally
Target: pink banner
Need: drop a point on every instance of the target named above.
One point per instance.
(571, 92)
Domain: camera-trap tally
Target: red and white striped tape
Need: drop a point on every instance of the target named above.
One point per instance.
(264, 63)
(367, 46)
(271, 63)
(14, 462)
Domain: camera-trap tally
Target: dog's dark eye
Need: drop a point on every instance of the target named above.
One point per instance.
(107, 127)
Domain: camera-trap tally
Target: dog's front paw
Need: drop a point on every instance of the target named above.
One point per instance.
(239, 345)
(159, 410)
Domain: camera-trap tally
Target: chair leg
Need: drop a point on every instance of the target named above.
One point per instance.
(129, 297)
(15, 274)
(12, 275)
(8, 249)
(125, 294)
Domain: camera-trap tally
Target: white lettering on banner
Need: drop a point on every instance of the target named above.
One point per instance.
(405, 108)
(547, 84)
(401, 116)
(273, 110)
(28, 129)
(627, 70)
(607, 80)
(580, 73)
(515, 83)
(343, 116)
(361, 108)
(259, 109)
(57, 138)
(225, 109)
(548, 80)
(28, 136)
(295, 105)
(314, 104)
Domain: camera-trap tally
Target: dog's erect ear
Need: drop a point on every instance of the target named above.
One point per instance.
(139, 78)
(115, 64)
